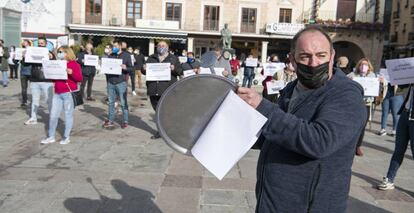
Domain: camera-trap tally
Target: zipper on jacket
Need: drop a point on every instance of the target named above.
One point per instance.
(312, 187)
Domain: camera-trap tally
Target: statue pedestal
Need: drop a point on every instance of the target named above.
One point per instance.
(230, 50)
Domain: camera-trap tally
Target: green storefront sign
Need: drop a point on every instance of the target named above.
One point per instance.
(10, 26)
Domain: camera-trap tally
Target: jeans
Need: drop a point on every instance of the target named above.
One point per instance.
(37, 88)
(13, 70)
(24, 81)
(5, 78)
(61, 101)
(248, 79)
(89, 80)
(405, 133)
(392, 103)
(114, 91)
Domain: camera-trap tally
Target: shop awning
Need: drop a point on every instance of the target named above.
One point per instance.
(126, 32)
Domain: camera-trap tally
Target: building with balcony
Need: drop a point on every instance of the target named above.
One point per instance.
(259, 27)
(401, 30)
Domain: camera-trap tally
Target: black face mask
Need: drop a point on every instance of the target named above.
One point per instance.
(312, 77)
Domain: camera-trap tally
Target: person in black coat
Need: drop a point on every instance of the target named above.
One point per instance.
(308, 143)
(88, 72)
(139, 63)
(155, 89)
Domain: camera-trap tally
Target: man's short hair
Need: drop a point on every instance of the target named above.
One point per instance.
(310, 29)
(165, 41)
(42, 37)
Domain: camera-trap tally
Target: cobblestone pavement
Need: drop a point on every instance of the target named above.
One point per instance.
(123, 170)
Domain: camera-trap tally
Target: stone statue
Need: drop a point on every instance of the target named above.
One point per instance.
(226, 37)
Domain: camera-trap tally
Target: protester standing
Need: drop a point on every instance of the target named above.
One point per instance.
(404, 134)
(88, 72)
(364, 69)
(273, 97)
(392, 101)
(39, 85)
(139, 63)
(155, 89)
(235, 65)
(4, 66)
(117, 86)
(191, 64)
(13, 63)
(308, 143)
(248, 73)
(25, 73)
(62, 98)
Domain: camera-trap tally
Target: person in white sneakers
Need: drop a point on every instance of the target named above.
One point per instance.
(62, 98)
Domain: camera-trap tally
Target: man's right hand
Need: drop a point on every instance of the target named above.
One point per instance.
(250, 96)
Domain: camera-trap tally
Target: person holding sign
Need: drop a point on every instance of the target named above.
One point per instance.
(272, 97)
(13, 63)
(117, 86)
(62, 98)
(155, 89)
(405, 133)
(249, 71)
(88, 70)
(307, 145)
(38, 83)
(25, 73)
(192, 66)
(364, 69)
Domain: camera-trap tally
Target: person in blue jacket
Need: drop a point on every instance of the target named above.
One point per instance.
(308, 143)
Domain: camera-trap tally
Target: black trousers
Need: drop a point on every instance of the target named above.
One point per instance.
(87, 80)
(13, 69)
(24, 82)
(154, 101)
(132, 75)
(361, 137)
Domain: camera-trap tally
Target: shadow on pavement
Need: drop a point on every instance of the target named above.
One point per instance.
(355, 205)
(374, 182)
(132, 200)
(382, 149)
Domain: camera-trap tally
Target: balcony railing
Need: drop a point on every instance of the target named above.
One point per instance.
(396, 15)
(411, 36)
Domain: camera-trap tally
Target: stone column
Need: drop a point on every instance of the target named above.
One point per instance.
(151, 47)
(190, 44)
(264, 51)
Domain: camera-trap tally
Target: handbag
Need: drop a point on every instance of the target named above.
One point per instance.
(76, 96)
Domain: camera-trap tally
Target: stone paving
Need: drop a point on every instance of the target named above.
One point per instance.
(123, 170)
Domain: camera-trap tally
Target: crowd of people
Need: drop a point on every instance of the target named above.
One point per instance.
(306, 77)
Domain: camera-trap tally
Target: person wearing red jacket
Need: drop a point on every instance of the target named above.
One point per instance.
(235, 65)
(62, 98)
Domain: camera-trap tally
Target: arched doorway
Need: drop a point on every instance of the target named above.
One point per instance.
(352, 51)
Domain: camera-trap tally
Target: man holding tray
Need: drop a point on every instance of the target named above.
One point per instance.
(308, 143)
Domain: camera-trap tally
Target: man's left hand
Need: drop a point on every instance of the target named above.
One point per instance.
(123, 66)
(250, 96)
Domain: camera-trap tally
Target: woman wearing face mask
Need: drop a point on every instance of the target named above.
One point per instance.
(363, 69)
(62, 98)
(191, 63)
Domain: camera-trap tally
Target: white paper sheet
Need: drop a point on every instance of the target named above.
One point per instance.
(371, 85)
(204, 70)
(187, 73)
(158, 72)
(273, 87)
(230, 134)
(91, 60)
(271, 68)
(251, 62)
(401, 71)
(36, 54)
(111, 66)
(19, 54)
(182, 59)
(384, 73)
(219, 71)
(55, 69)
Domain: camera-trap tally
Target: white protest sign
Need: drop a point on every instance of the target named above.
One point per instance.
(401, 71)
(111, 66)
(158, 72)
(19, 54)
(271, 68)
(55, 69)
(384, 73)
(187, 73)
(91, 60)
(204, 70)
(219, 71)
(251, 62)
(273, 87)
(182, 59)
(36, 54)
(371, 85)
